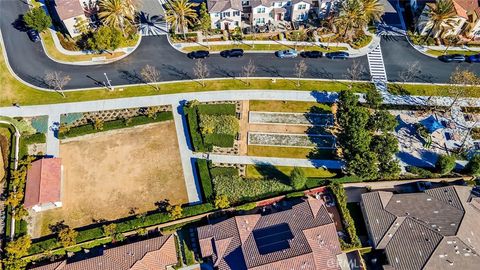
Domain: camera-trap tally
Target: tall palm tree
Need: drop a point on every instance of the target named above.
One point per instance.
(351, 16)
(117, 13)
(373, 10)
(181, 14)
(440, 16)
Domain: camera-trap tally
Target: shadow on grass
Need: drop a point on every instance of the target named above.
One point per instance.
(397, 89)
(268, 171)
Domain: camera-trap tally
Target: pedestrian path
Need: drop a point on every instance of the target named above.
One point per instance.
(376, 65)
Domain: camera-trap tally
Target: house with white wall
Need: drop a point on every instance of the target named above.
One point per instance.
(300, 9)
(72, 14)
(225, 14)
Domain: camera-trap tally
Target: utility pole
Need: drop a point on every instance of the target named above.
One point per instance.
(110, 87)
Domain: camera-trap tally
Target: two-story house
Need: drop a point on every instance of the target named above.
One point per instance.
(225, 14)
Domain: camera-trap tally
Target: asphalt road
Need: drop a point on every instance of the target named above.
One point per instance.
(29, 62)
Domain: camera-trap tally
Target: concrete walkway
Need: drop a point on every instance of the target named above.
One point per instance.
(53, 143)
(252, 160)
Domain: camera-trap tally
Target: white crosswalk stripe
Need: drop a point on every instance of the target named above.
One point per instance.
(376, 66)
(156, 28)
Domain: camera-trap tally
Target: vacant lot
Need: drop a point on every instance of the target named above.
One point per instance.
(112, 174)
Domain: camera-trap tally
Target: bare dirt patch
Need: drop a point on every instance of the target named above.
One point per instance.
(108, 174)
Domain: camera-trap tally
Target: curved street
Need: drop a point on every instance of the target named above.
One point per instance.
(30, 62)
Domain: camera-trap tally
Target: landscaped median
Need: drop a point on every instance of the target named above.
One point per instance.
(261, 47)
(433, 90)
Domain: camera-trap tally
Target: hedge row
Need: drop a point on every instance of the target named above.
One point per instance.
(216, 109)
(341, 196)
(30, 139)
(194, 130)
(122, 226)
(116, 124)
(205, 179)
(226, 171)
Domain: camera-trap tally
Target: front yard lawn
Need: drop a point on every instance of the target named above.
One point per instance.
(289, 106)
(428, 90)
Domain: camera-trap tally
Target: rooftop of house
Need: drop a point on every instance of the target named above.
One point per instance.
(154, 254)
(303, 236)
(43, 182)
(433, 230)
(67, 9)
(223, 5)
(464, 7)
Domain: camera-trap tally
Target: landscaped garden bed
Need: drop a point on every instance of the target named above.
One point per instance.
(289, 106)
(292, 140)
(289, 152)
(315, 119)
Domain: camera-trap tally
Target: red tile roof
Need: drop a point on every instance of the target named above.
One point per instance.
(303, 235)
(152, 254)
(67, 9)
(464, 7)
(43, 182)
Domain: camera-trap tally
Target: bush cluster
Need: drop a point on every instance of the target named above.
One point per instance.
(205, 179)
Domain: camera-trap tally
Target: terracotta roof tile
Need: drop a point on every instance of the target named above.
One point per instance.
(67, 9)
(43, 182)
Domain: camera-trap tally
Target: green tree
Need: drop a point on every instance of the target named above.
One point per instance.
(106, 39)
(384, 145)
(67, 236)
(181, 14)
(363, 165)
(18, 248)
(382, 120)
(372, 10)
(373, 97)
(118, 14)
(175, 211)
(440, 17)
(110, 229)
(221, 202)
(389, 169)
(204, 20)
(445, 164)
(297, 178)
(473, 165)
(351, 17)
(347, 99)
(37, 19)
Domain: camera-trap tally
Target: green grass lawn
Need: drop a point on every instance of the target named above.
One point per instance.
(289, 106)
(428, 90)
(13, 91)
(288, 152)
(442, 52)
(259, 171)
(260, 47)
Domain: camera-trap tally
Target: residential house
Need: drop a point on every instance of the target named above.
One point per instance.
(300, 236)
(225, 14)
(435, 229)
(71, 13)
(466, 21)
(44, 185)
(156, 253)
(228, 14)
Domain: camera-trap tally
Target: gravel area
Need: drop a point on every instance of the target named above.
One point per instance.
(291, 140)
(309, 119)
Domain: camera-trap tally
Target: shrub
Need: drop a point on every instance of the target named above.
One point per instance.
(295, 194)
(221, 202)
(246, 207)
(218, 124)
(40, 123)
(473, 165)
(240, 190)
(194, 130)
(35, 138)
(297, 178)
(420, 172)
(89, 234)
(339, 192)
(445, 164)
(205, 179)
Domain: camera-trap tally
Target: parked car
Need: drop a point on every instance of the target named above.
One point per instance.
(286, 53)
(198, 54)
(311, 54)
(232, 53)
(33, 35)
(474, 58)
(452, 58)
(337, 55)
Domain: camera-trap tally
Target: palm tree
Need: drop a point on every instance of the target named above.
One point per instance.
(351, 16)
(373, 10)
(117, 13)
(440, 16)
(181, 14)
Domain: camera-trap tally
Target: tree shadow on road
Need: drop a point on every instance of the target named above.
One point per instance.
(175, 72)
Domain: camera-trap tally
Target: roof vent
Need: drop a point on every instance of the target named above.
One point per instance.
(435, 212)
(429, 199)
(398, 201)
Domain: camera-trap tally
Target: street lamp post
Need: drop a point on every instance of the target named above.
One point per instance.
(110, 87)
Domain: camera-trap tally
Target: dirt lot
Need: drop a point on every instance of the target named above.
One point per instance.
(108, 174)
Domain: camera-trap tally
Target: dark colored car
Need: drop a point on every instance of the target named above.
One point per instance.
(474, 58)
(232, 53)
(311, 54)
(33, 35)
(198, 54)
(452, 58)
(337, 55)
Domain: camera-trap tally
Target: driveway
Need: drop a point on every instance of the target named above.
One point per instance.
(152, 19)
